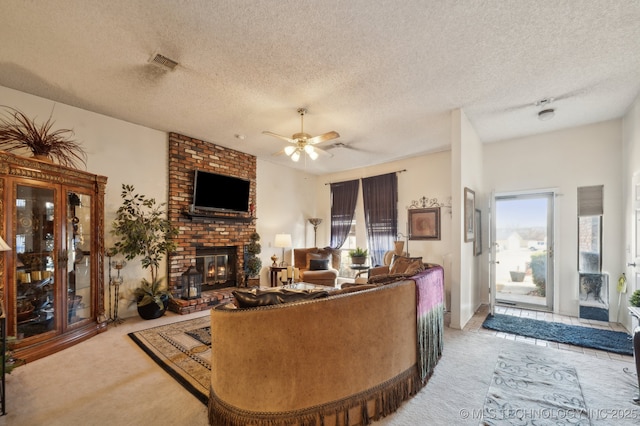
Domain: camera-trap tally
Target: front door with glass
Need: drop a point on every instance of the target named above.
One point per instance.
(523, 231)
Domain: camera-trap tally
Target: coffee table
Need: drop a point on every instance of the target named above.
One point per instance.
(307, 286)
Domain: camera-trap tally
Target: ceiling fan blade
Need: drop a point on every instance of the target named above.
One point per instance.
(275, 135)
(342, 145)
(323, 152)
(275, 154)
(323, 138)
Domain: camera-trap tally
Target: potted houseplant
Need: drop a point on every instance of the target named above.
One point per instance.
(634, 300)
(358, 256)
(517, 276)
(145, 232)
(252, 263)
(19, 133)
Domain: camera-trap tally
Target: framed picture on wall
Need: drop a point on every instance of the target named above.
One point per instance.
(477, 242)
(469, 215)
(424, 224)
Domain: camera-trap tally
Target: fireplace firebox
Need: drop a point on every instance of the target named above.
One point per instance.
(217, 266)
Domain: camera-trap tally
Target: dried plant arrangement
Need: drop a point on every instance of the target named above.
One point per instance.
(18, 132)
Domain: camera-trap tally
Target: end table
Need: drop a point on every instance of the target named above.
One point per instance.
(274, 275)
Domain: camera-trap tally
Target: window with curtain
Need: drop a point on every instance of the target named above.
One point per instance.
(380, 197)
(343, 206)
(590, 210)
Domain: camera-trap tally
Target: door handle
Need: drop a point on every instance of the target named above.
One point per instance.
(632, 264)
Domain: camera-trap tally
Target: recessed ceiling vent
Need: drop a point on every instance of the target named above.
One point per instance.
(163, 62)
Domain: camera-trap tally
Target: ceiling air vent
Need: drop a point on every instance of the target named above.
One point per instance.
(163, 62)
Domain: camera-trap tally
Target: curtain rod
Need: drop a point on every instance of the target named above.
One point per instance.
(397, 171)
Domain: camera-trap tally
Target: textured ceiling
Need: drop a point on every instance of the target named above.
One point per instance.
(384, 74)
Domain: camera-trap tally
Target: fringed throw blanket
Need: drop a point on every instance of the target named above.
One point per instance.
(430, 321)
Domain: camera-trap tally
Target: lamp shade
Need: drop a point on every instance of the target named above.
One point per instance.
(283, 240)
(4, 246)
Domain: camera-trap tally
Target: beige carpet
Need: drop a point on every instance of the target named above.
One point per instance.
(109, 380)
(456, 393)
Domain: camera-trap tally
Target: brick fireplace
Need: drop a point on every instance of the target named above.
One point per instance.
(205, 237)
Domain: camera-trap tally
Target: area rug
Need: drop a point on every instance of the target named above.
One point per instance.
(182, 349)
(606, 340)
(529, 389)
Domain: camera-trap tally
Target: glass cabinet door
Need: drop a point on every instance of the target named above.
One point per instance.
(35, 266)
(78, 268)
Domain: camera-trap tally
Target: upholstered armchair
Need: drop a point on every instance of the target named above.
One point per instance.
(317, 265)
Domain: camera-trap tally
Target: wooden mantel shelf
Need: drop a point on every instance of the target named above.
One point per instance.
(213, 217)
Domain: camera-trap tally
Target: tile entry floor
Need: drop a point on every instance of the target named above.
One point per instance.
(475, 325)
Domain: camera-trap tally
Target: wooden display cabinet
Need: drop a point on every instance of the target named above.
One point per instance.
(53, 278)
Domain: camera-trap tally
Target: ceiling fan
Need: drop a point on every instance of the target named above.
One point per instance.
(546, 109)
(303, 142)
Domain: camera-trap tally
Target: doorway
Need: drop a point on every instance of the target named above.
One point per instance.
(523, 243)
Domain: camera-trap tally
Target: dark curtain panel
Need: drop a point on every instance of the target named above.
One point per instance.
(343, 205)
(380, 196)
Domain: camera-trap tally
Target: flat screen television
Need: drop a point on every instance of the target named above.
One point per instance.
(212, 191)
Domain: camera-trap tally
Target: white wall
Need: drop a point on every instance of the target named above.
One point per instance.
(630, 167)
(466, 169)
(124, 152)
(566, 160)
(286, 199)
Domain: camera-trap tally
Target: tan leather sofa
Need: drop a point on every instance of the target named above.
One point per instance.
(345, 359)
(302, 258)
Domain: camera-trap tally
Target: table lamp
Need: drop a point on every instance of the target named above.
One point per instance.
(283, 241)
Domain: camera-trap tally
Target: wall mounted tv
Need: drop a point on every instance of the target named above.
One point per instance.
(212, 191)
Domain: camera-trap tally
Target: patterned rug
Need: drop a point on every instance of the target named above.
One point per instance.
(531, 390)
(182, 349)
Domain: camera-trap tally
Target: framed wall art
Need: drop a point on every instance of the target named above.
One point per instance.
(477, 242)
(469, 215)
(424, 224)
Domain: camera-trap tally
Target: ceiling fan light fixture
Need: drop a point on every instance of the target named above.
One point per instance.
(289, 150)
(296, 155)
(546, 114)
(308, 149)
(313, 155)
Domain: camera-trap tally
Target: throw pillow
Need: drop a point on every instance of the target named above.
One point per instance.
(316, 256)
(414, 267)
(318, 264)
(400, 264)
